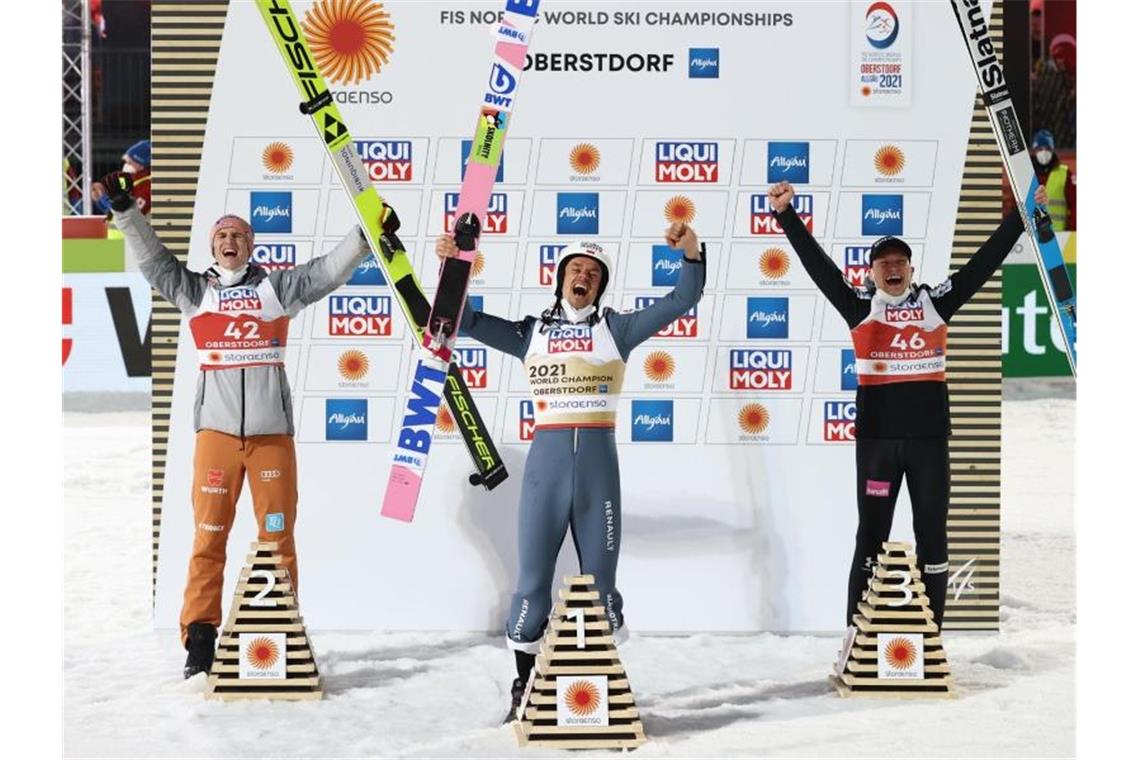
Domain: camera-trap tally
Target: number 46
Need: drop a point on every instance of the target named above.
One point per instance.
(916, 342)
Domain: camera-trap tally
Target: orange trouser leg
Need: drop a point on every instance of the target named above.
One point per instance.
(218, 474)
(271, 464)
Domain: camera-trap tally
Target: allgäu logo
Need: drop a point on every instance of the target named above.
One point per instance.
(882, 215)
(346, 419)
(652, 420)
(577, 214)
(704, 63)
(271, 211)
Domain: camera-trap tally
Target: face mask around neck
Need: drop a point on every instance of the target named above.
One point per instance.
(577, 315)
(887, 298)
(227, 277)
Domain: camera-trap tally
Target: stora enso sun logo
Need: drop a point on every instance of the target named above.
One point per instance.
(775, 263)
(680, 208)
(889, 160)
(659, 366)
(350, 39)
(585, 158)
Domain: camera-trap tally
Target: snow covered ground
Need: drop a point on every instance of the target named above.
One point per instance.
(699, 696)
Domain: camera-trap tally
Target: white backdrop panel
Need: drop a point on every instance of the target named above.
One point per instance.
(737, 500)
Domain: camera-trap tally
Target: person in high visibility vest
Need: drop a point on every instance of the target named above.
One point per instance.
(1057, 179)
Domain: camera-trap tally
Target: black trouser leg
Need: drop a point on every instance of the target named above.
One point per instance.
(523, 664)
(928, 481)
(878, 474)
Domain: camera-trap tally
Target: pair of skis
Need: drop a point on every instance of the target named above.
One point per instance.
(413, 444)
(973, 24)
(380, 224)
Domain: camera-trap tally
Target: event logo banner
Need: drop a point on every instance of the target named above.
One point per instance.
(881, 66)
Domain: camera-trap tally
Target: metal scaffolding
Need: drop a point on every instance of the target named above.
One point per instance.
(77, 100)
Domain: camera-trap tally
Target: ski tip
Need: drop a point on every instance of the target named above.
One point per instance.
(402, 494)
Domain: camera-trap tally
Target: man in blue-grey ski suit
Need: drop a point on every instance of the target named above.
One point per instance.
(575, 356)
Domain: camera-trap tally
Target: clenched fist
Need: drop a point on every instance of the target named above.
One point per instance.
(681, 235)
(780, 196)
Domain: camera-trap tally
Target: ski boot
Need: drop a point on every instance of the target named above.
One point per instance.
(199, 649)
(518, 688)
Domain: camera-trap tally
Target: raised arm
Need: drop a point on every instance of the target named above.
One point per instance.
(963, 284)
(819, 266)
(312, 281)
(160, 267)
(631, 329)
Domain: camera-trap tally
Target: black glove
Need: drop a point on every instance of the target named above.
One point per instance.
(118, 185)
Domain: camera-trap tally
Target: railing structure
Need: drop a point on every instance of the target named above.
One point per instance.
(77, 101)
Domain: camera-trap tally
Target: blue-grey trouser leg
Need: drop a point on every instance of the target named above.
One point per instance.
(570, 480)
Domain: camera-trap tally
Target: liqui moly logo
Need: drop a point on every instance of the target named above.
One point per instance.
(760, 369)
(526, 420)
(548, 263)
(763, 219)
(666, 266)
(839, 420)
(360, 315)
(856, 267)
(686, 162)
(789, 162)
(905, 313)
(239, 299)
(579, 338)
(684, 326)
(472, 362)
(652, 420)
(386, 160)
(496, 220)
(274, 256)
(882, 215)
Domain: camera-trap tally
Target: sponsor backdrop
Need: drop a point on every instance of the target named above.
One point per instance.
(735, 431)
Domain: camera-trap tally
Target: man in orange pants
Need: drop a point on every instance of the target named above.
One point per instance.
(221, 463)
(239, 315)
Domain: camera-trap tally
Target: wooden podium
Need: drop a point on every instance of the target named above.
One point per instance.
(897, 651)
(579, 696)
(264, 651)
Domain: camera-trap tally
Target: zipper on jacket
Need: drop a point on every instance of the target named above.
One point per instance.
(241, 430)
(575, 440)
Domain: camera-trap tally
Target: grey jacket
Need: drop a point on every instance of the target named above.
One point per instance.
(240, 401)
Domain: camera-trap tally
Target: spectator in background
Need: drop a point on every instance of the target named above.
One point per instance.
(1036, 32)
(136, 162)
(1057, 179)
(1053, 86)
